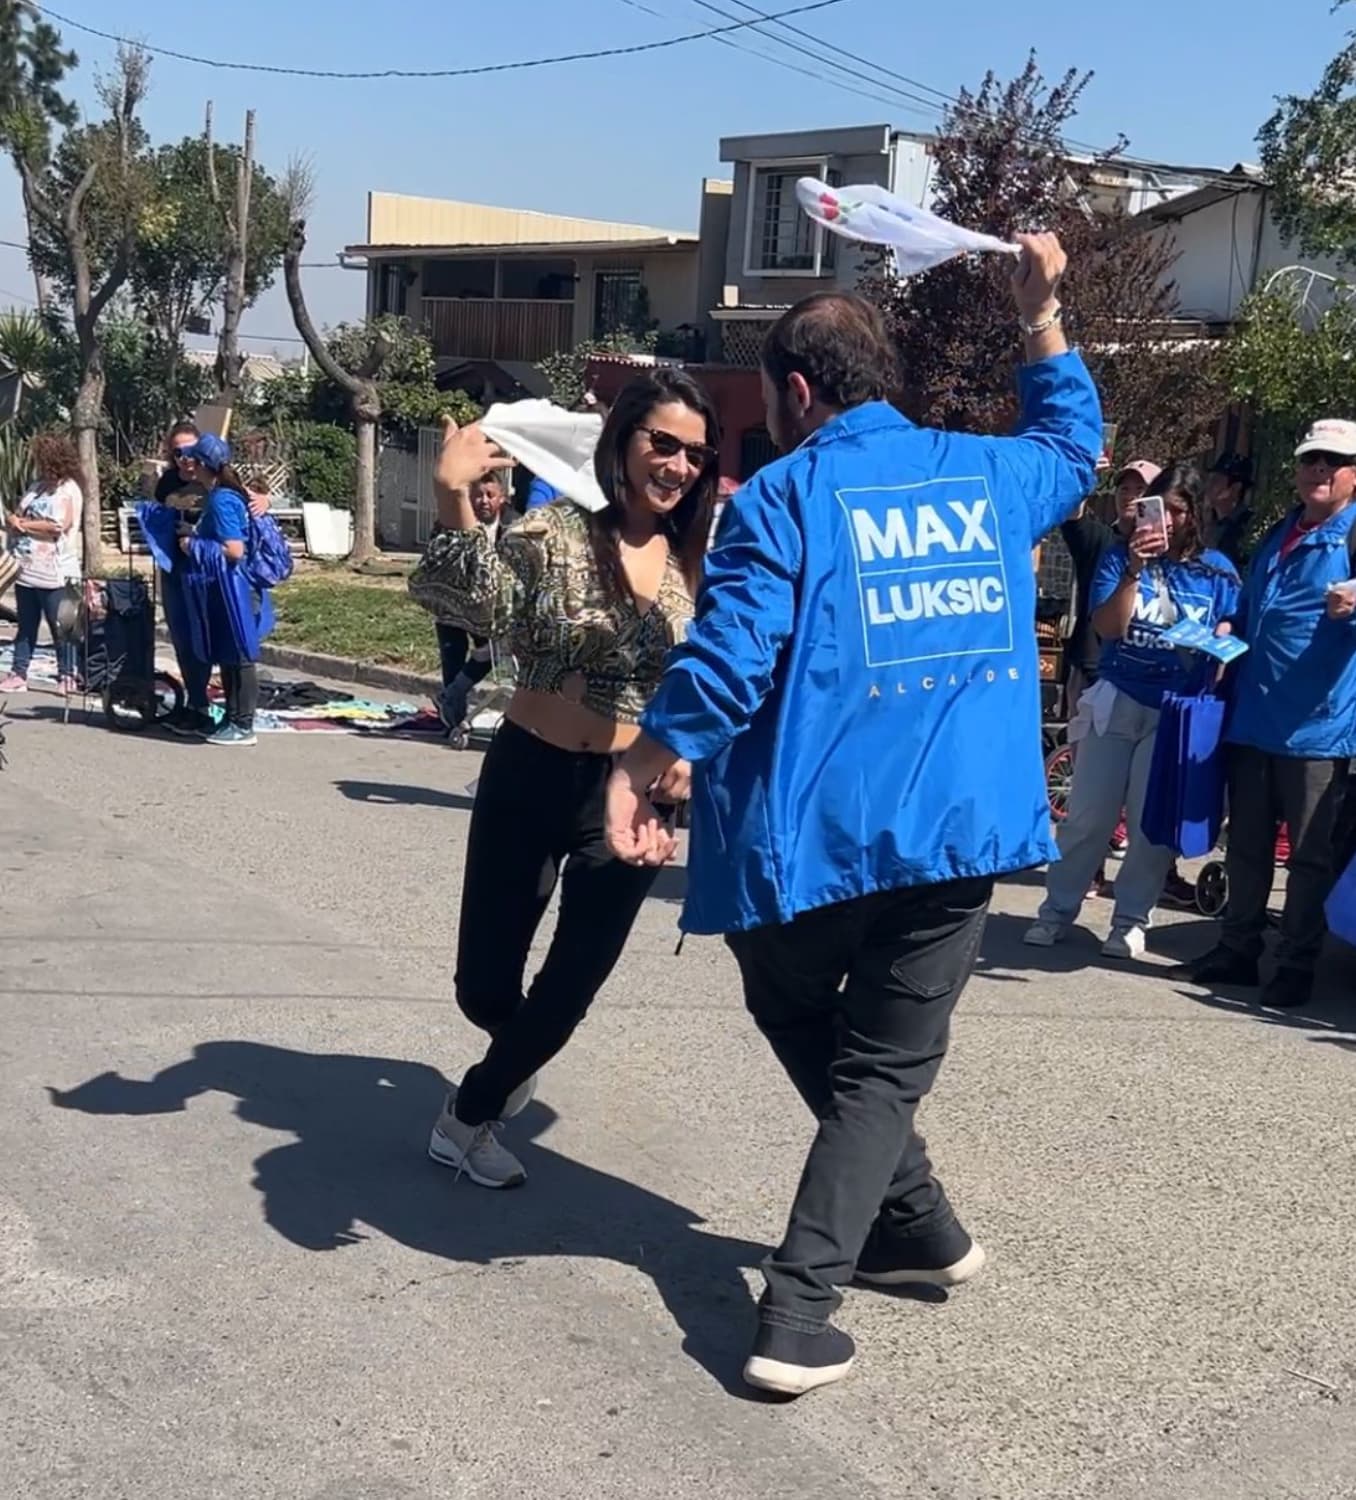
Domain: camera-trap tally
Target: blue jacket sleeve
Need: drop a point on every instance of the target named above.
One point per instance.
(1052, 457)
(1108, 577)
(717, 679)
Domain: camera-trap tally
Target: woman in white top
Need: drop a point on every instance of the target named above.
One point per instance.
(44, 534)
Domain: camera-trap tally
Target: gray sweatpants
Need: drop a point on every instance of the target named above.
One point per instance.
(1111, 772)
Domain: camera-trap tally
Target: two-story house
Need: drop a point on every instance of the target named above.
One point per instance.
(499, 289)
(773, 254)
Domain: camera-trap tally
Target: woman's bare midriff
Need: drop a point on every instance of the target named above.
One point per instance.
(569, 726)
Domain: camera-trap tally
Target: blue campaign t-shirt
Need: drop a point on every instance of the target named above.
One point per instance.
(224, 517)
(539, 492)
(1143, 665)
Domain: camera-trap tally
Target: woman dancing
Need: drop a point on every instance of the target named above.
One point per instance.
(591, 604)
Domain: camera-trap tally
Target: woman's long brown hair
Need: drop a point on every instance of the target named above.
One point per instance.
(688, 525)
(55, 458)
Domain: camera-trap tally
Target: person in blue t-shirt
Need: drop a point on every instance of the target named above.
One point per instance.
(1142, 588)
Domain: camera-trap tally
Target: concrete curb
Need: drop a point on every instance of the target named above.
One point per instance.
(343, 669)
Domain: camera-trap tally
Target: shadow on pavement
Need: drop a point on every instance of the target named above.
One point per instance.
(393, 794)
(359, 1159)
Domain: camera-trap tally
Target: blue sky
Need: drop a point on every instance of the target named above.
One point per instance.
(631, 138)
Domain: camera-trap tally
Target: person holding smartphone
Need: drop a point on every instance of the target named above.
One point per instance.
(591, 604)
(1160, 575)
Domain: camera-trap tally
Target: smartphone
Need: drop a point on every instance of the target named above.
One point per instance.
(1152, 516)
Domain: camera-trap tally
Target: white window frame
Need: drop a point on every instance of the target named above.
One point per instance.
(819, 166)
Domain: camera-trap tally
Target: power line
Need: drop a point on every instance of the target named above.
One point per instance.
(874, 95)
(484, 68)
(952, 102)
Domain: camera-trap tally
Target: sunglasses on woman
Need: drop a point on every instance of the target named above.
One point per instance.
(698, 455)
(1333, 460)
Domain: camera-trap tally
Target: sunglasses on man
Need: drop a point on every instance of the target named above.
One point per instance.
(699, 455)
(1332, 460)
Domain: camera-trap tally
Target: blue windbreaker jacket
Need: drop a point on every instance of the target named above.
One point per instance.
(1295, 690)
(859, 691)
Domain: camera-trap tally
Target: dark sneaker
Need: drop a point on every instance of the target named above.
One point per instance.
(1288, 989)
(1220, 966)
(232, 736)
(925, 1260)
(191, 723)
(792, 1363)
(1179, 893)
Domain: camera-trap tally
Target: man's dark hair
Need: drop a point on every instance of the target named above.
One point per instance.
(838, 343)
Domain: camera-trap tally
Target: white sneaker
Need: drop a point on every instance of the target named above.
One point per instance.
(474, 1150)
(1044, 934)
(1124, 942)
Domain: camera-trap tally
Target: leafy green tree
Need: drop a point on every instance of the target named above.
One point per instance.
(1308, 149)
(97, 235)
(33, 64)
(179, 270)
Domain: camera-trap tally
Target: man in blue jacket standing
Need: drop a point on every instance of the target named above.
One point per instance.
(1293, 730)
(859, 694)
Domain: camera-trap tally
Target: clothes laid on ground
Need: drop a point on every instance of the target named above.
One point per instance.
(863, 659)
(1143, 665)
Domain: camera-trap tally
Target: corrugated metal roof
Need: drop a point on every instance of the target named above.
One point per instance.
(545, 247)
(396, 219)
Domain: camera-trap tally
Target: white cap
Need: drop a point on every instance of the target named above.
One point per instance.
(1331, 435)
(556, 445)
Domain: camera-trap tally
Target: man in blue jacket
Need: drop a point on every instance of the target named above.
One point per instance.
(1293, 729)
(860, 696)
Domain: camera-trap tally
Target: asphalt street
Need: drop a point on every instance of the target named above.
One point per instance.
(227, 1269)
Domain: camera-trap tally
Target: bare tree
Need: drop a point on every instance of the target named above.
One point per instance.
(359, 384)
(235, 223)
(112, 158)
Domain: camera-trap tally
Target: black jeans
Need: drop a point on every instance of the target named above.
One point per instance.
(1307, 795)
(454, 654)
(536, 808)
(242, 693)
(32, 606)
(856, 1001)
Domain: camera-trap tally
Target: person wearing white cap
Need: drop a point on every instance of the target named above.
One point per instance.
(1293, 730)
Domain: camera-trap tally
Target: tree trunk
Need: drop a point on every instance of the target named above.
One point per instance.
(236, 224)
(365, 496)
(85, 418)
(39, 281)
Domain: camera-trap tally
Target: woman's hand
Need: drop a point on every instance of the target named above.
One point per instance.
(675, 785)
(635, 835)
(466, 455)
(1342, 601)
(258, 502)
(1146, 543)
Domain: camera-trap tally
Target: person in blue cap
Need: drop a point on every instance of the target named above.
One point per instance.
(231, 615)
(859, 695)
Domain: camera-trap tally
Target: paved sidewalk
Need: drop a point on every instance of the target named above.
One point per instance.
(226, 1269)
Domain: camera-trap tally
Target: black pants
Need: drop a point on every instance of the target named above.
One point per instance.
(1265, 791)
(454, 655)
(856, 1001)
(537, 808)
(242, 693)
(33, 607)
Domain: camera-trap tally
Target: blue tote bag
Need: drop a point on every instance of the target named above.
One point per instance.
(1184, 803)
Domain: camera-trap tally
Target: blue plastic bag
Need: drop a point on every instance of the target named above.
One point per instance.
(1341, 906)
(1184, 801)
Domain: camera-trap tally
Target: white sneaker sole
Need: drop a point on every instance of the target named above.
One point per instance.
(791, 1380)
(448, 1154)
(968, 1266)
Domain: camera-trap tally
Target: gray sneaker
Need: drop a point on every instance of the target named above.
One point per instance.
(474, 1150)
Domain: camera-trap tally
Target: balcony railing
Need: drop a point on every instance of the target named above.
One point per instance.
(488, 328)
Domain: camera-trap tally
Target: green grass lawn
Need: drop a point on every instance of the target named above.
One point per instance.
(364, 621)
